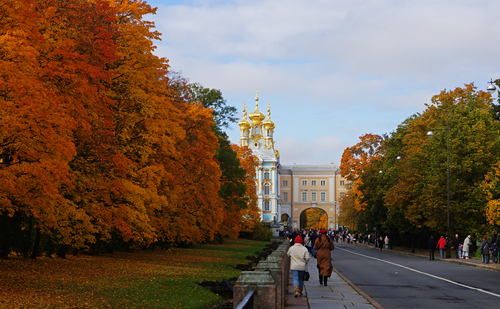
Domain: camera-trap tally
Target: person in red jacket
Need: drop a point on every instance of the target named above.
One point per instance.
(441, 245)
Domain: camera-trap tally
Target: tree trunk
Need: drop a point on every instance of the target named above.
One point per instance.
(63, 249)
(36, 246)
(49, 250)
(6, 221)
(27, 246)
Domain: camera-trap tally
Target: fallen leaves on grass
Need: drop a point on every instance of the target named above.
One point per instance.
(144, 279)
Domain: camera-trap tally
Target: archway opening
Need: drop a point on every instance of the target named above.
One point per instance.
(314, 218)
(285, 220)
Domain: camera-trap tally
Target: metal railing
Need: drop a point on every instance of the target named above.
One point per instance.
(247, 302)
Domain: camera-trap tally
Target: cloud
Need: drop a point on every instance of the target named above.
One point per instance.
(332, 70)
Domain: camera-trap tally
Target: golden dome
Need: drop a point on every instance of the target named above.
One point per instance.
(268, 123)
(256, 116)
(243, 123)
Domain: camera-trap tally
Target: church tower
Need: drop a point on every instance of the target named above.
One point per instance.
(257, 134)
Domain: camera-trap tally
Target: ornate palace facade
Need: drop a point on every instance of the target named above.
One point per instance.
(284, 192)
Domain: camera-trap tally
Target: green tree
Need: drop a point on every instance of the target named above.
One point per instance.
(224, 115)
(421, 191)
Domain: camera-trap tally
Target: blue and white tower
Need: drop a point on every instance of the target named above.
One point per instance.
(257, 134)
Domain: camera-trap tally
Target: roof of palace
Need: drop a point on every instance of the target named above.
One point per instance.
(310, 168)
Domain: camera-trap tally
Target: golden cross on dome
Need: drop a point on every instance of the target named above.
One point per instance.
(256, 95)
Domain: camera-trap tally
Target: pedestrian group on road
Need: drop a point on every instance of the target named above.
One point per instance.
(463, 249)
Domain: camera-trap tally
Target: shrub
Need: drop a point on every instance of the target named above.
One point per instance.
(262, 233)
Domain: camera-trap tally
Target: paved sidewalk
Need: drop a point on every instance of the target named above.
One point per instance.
(339, 293)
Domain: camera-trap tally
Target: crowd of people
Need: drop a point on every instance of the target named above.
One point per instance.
(319, 244)
(464, 249)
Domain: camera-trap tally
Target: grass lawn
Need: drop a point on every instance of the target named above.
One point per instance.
(144, 279)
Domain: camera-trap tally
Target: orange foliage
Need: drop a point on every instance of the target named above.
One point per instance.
(101, 139)
(356, 159)
(250, 216)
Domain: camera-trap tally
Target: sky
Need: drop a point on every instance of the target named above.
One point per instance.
(331, 70)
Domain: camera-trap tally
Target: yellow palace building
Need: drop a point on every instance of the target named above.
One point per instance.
(285, 191)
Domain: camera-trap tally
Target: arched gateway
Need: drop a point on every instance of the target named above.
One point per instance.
(311, 186)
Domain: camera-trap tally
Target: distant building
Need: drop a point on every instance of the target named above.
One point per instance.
(284, 192)
(311, 186)
(257, 134)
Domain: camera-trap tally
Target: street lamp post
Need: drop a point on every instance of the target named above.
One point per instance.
(430, 134)
(336, 217)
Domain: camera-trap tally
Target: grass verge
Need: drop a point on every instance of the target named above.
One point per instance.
(144, 279)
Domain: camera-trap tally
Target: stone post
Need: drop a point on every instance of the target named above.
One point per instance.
(260, 281)
(277, 258)
(276, 272)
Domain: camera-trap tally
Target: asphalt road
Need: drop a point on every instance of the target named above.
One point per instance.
(398, 281)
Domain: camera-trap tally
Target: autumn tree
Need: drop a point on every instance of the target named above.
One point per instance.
(53, 89)
(421, 190)
(250, 215)
(356, 160)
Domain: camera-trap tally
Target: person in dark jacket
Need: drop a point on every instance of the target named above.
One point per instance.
(312, 238)
(494, 249)
(456, 244)
(485, 250)
(432, 245)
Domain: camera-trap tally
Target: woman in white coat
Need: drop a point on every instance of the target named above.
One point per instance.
(466, 248)
(299, 257)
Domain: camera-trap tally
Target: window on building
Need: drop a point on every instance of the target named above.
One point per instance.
(285, 196)
(266, 205)
(304, 196)
(285, 183)
(266, 175)
(322, 182)
(313, 196)
(342, 194)
(266, 189)
(304, 182)
(323, 197)
(313, 182)
(342, 182)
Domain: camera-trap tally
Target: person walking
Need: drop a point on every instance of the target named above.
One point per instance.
(312, 238)
(485, 250)
(466, 248)
(299, 257)
(324, 245)
(380, 243)
(386, 241)
(442, 246)
(456, 244)
(494, 249)
(307, 243)
(432, 245)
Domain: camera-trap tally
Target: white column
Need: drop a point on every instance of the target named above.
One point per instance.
(296, 190)
(332, 193)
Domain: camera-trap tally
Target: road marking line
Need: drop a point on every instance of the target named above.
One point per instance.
(421, 272)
